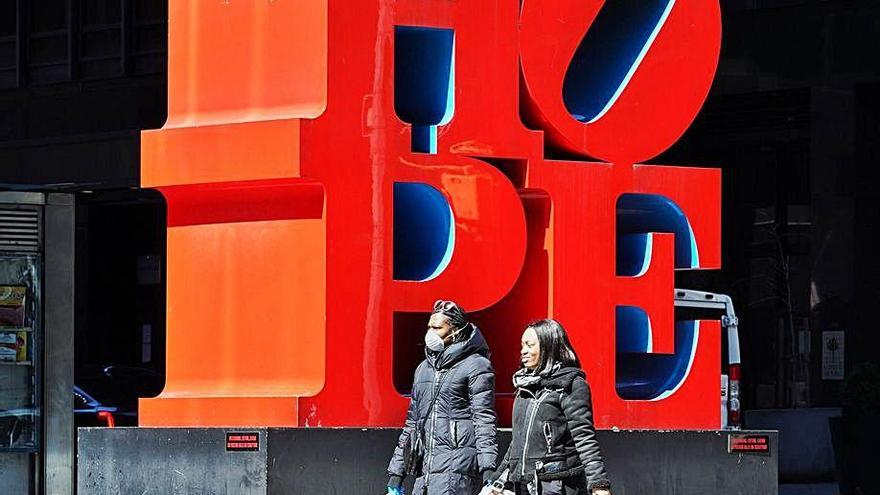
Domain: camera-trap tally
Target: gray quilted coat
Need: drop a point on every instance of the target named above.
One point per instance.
(459, 431)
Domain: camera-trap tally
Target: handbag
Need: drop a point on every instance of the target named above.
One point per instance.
(413, 454)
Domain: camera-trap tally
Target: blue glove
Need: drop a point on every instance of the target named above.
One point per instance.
(396, 490)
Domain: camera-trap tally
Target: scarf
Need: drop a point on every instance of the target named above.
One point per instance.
(526, 378)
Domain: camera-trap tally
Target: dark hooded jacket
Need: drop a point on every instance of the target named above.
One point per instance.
(553, 432)
(459, 431)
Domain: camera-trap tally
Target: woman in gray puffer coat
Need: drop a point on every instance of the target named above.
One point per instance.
(457, 428)
(554, 450)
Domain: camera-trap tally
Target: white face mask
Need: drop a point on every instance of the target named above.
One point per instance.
(434, 342)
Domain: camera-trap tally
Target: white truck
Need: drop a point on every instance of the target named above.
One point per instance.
(731, 365)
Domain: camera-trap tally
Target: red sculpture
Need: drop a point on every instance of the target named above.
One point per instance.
(334, 166)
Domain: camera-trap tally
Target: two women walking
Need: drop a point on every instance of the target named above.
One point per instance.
(448, 441)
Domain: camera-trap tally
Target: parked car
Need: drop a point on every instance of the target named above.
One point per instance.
(110, 398)
(88, 411)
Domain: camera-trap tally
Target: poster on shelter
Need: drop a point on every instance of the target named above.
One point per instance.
(832, 355)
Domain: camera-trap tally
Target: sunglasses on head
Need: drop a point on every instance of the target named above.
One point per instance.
(441, 305)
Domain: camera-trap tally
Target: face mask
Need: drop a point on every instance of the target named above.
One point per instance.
(434, 342)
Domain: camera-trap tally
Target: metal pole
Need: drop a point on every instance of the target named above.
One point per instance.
(58, 428)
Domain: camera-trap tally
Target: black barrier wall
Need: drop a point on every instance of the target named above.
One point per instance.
(353, 460)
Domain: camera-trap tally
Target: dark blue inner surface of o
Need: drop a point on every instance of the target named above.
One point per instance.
(609, 49)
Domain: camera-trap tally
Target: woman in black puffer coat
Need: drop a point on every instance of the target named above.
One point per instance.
(458, 430)
(554, 450)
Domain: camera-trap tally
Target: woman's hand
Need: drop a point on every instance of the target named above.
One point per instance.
(601, 491)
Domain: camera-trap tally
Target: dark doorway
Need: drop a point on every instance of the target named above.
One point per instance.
(120, 291)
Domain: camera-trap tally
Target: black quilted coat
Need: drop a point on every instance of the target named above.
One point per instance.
(553, 433)
(459, 431)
